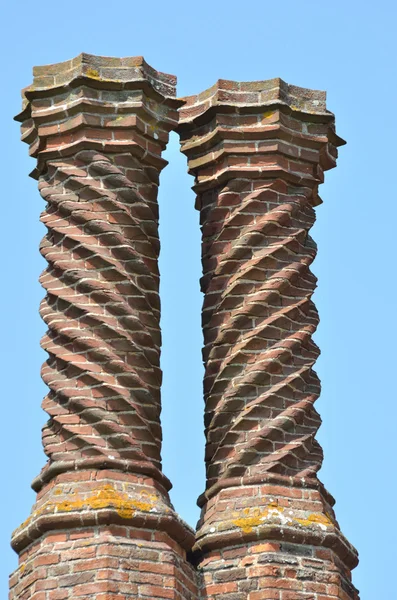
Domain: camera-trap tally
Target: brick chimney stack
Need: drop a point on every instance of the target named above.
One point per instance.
(102, 526)
(258, 151)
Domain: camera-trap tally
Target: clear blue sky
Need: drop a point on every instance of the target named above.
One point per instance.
(345, 47)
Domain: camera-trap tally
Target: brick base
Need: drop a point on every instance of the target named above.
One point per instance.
(273, 541)
(104, 563)
(267, 570)
(103, 535)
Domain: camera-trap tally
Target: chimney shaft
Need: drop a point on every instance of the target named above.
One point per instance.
(258, 151)
(102, 525)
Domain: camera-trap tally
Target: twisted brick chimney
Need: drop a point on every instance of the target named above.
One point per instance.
(258, 151)
(102, 526)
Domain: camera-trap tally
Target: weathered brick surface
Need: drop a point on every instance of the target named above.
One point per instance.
(102, 526)
(258, 152)
(102, 535)
(267, 570)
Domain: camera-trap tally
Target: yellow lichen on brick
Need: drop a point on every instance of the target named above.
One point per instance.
(314, 518)
(151, 124)
(93, 73)
(251, 518)
(106, 497)
(254, 518)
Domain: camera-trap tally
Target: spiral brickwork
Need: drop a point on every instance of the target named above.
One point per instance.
(258, 151)
(103, 525)
(97, 127)
(258, 319)
(102, 309)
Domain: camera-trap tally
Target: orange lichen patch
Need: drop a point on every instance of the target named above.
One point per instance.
(254, 518)
(251, 518)
(248, 523)
(106, 497)
(315, 518)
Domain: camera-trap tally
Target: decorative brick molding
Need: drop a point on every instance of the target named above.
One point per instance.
(102, 525)
(258, 151)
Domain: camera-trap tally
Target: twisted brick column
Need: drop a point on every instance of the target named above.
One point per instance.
(267, 530)
(102, 526)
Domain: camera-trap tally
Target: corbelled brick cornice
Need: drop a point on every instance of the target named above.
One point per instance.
(99, 103)
(258, 129)
(258, 152)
